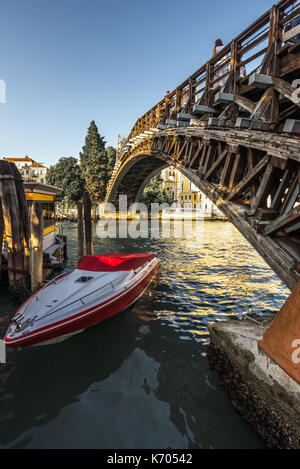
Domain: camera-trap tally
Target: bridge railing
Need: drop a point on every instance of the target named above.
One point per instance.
(228, 71)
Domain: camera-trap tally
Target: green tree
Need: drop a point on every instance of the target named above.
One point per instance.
(94, 164)
(154, 193)
(111, 157)
(66, 174)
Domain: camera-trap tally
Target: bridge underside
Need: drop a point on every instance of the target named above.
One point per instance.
(254, 182)
(134, 176)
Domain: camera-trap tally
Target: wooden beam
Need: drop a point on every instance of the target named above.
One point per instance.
(249, 178)
(281, 189)
(252, 161)
(209, 157)
(263, 189)
(291, 33)
(287, 90)
(227, 169)
(263, 105)
(244, 103)
(237, 170)
(283, 221)
(216, 165)
(196, 154)
(291, 195)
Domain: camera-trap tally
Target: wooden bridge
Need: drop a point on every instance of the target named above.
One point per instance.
(233, 128)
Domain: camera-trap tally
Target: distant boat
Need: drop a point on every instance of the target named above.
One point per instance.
(100, 287)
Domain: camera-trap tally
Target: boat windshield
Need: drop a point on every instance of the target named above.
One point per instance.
(83, 279)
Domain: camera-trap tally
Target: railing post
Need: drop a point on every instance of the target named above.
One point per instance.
(276, 36)
(209, 96)
(178, 100)
(191, 95)
(233, 67)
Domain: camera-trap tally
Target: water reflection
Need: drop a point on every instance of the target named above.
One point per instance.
(141, 379)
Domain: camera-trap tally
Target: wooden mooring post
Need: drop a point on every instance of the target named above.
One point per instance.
(88, 223)
(36, 245)
(1, 236)
(80, 232)
(14, 228)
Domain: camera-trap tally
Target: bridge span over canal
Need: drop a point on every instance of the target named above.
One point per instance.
(233, 128)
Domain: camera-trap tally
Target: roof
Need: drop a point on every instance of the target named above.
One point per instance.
(114, 262)
(25, 158)
(38, 165)
(40, 188)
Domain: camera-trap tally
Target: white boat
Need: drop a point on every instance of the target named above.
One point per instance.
(100, 287)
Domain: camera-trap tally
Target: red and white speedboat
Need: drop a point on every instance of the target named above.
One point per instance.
(100, 287)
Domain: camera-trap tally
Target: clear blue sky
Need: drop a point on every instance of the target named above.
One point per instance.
(67, 62)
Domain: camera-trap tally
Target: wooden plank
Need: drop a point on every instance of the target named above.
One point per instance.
(289, 63)
(229, 112)
(284, 220)
(287, 90)
(291, 33)
(244, 103)
(263, 105)
(249, 178)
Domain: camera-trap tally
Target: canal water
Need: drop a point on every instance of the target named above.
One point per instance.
(142, 379)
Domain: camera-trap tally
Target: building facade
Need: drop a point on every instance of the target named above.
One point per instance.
(186, 195)
(30, 169)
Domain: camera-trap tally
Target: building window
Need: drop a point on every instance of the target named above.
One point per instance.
(190, 197)
(185, 197)
(195, 196)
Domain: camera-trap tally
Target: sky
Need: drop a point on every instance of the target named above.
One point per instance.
(68, 62)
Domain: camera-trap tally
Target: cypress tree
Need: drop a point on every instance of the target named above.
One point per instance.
(94, 164)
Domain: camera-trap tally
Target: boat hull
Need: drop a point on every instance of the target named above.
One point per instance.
(74, 324)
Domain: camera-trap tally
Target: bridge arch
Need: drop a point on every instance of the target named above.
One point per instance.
(253, 183)
(233, 128)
